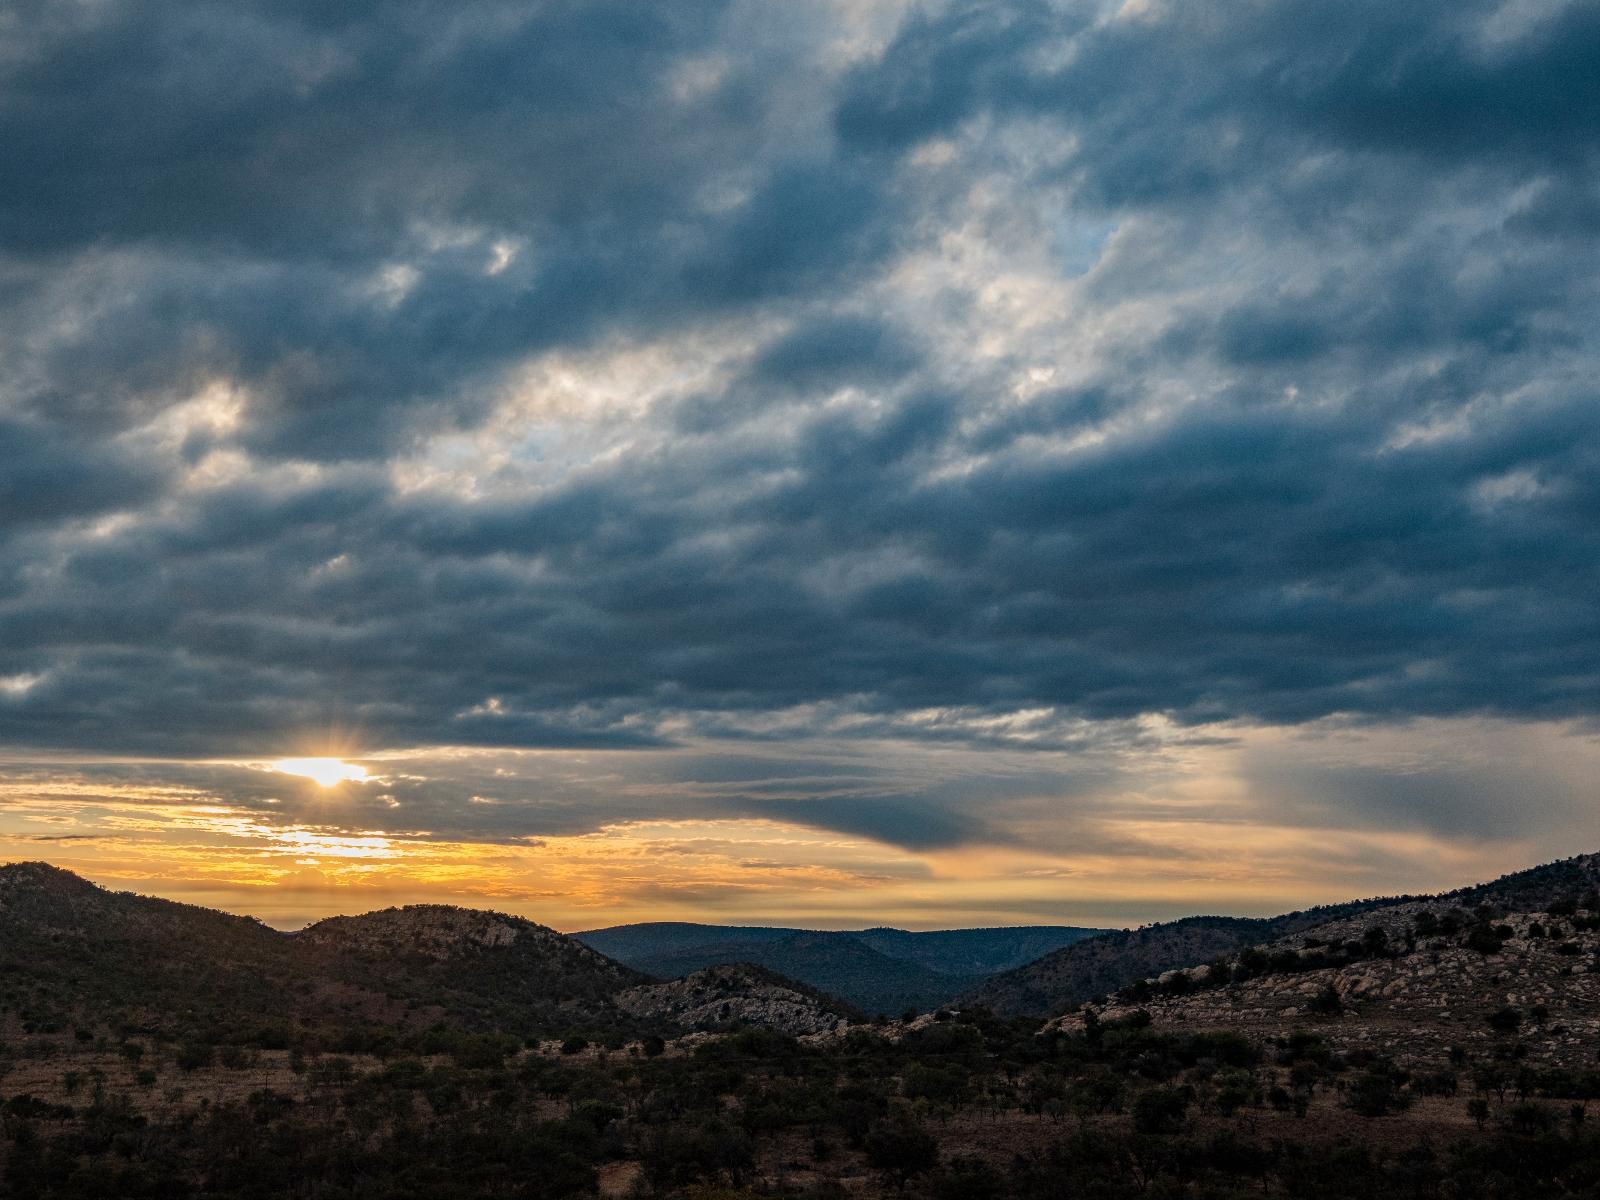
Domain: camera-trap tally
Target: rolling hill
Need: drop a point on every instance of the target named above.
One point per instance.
(73, 955)
(1505, 973)
(877, 970)
(1100, 966)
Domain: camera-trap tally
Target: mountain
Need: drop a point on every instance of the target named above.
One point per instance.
(1100, 966)
(877, 970)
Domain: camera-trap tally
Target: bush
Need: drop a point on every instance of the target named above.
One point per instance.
(1485, 939)
(1506, 1020)
(193, 1056)
(901, 1148)
(1376, 1093)
(968, 1179)
(1161, 1110)
(1327, 1002)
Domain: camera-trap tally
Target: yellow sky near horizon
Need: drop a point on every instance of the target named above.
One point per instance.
(195, 849)
(1237, 821)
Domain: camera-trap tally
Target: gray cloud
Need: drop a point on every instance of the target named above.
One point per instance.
(1233, 366)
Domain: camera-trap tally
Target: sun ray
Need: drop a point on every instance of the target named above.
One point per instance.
(326, 772)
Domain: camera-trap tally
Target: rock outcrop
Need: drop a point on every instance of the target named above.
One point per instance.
(736, 994)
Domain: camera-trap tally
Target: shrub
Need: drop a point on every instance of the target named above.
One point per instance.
(900, 1148)
(1376, 1093)
(1161, 1110)
(1327, 1002)
(1506, 1020)
(1484, 939)
(193, 1056)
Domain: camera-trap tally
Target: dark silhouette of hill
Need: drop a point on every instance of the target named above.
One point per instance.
(72, 953)
(1100, 966)
(878, 970)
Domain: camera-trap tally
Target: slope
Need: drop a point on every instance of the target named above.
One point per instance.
(73, 954)
(1100, 966)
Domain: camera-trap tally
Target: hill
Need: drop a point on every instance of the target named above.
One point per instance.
(1101, 966)
(76, 955)
(486, 969)
(1508, 971)
(877, 970)
(1424, 1046)
(71, 952)
(975, 951)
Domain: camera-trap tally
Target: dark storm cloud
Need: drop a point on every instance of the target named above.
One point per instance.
(1475, 84)
(254, 172)
(47, 476)
(1322, 438)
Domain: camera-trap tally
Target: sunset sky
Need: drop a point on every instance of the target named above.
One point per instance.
(829, 462)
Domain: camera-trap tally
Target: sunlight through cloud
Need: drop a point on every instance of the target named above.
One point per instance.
(327, 772)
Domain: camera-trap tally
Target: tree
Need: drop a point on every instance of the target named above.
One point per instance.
(1161, 1110)
(901, 1148)
(1377, 1093)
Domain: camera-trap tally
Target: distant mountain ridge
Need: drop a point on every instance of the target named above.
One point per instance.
(879, 970)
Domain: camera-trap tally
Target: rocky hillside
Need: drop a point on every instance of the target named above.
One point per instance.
(738, 994)
(1464, 976)
(1100, 966)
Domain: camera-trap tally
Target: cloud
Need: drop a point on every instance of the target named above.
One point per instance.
(578, 377)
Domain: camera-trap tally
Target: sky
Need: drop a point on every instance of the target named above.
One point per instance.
(839, 462)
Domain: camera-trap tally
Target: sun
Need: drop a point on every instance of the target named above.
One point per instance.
(325, 771)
